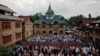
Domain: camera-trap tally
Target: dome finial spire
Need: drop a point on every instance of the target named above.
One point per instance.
(49, 8)
(49, 11)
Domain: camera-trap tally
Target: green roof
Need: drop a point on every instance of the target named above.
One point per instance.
(50, 14)
(57, 18)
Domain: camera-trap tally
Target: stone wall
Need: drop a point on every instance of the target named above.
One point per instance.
(11, 32)
(40, 29)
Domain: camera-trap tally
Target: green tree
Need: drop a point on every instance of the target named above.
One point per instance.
(5, 51)
(75, 20)
(35, 17)
(89, 16)
(98, 18)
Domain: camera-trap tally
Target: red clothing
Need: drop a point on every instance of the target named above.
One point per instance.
(27, 54)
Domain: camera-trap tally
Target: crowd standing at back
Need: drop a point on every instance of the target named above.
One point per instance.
(21, 50)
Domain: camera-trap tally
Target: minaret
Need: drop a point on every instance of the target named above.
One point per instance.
(49, 12)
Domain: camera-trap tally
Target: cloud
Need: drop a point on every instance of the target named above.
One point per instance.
(66, 8)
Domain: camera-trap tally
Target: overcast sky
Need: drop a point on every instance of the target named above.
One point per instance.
(66, 8)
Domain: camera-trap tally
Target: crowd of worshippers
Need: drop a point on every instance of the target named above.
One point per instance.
(20, 50)
(55, 38)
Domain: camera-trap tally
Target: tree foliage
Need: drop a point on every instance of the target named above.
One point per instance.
(75, 20)
(35, 17)
(89, 16)
(98, 18)
(5, 52)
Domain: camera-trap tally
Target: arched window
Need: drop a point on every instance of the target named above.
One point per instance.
(37, 32)
(61, 32)
(44, 32)
(43, 25)
(50, 32)
(55, 33)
